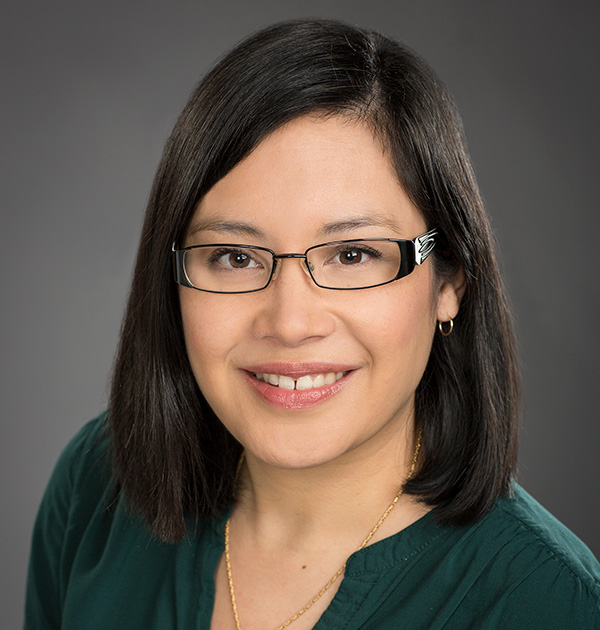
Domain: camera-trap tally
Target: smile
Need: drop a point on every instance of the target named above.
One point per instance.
(297, 386)
(308, 381)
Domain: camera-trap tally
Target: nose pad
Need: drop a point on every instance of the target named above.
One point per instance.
(306, 266)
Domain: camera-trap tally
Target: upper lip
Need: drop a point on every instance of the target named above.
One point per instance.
(296, 369)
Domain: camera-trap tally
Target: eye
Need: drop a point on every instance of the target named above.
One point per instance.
(351, 255)
(234, 259)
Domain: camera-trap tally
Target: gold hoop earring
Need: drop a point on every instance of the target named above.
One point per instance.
(449, 331)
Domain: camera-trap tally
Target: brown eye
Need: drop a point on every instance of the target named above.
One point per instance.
(232, 259)
(351, 257)
(237, 260)
(358, 254)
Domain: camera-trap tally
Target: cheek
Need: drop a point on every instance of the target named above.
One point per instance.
(402, 332)
(204, 321)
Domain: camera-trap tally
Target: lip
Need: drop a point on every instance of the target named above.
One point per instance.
(296, 369)
(293, 399)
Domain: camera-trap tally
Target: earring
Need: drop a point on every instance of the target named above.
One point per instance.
(441, 327)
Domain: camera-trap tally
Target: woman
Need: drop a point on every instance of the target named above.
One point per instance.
(315, 422)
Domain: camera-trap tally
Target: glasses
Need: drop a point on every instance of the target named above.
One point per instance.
(340, 265)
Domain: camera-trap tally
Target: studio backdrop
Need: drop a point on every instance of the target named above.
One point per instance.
(90, 91)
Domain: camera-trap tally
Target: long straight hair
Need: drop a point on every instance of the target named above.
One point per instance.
(173, 458)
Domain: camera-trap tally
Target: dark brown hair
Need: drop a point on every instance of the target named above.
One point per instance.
(173, 458)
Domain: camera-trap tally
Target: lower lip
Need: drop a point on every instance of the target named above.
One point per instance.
(294, 399)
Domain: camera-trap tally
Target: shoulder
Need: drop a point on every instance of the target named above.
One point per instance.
(542, 533)
(517, 568)
(549, 576)
(87, 447)
(82, 471)
(78, 488)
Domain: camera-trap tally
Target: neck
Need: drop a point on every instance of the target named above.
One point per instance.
(345, 497)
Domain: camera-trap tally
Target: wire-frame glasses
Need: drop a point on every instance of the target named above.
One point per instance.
(340, 265)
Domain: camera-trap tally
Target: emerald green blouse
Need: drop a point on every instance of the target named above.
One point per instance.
(95, 567)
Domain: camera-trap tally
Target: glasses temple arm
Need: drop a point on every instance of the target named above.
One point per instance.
(424, 244)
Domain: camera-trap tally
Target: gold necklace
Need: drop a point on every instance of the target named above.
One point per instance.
(340, 570)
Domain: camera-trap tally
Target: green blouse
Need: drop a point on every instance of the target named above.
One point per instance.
(95, 567)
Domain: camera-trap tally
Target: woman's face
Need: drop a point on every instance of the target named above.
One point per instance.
(364, 352)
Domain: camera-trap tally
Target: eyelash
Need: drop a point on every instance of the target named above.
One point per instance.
(341, 249)
(223, 251)
(363, 249)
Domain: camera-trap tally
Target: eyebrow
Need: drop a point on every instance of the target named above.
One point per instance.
(241, 228)
(356, 222)
(238, 228)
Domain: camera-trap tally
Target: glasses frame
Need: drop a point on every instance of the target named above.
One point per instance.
(412, 253)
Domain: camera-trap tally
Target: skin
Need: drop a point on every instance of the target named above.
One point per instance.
(315, 480)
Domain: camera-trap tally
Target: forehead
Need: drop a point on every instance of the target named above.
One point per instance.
(312, 177)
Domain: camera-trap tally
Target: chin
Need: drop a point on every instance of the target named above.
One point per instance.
(296, 454)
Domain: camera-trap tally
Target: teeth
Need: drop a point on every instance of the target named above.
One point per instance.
(304, 382)
(309, 381)
(318, 382)
(286, 382)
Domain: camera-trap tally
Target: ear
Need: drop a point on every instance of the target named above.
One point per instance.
(450, 294)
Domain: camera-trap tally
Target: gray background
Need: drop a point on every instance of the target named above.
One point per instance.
(89, 93)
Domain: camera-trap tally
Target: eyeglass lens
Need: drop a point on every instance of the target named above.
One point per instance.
(349, 265)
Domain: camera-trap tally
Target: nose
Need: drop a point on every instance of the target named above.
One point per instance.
(278, 260)
(294, 309)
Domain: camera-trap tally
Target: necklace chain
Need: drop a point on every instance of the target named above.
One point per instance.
(339, 572)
